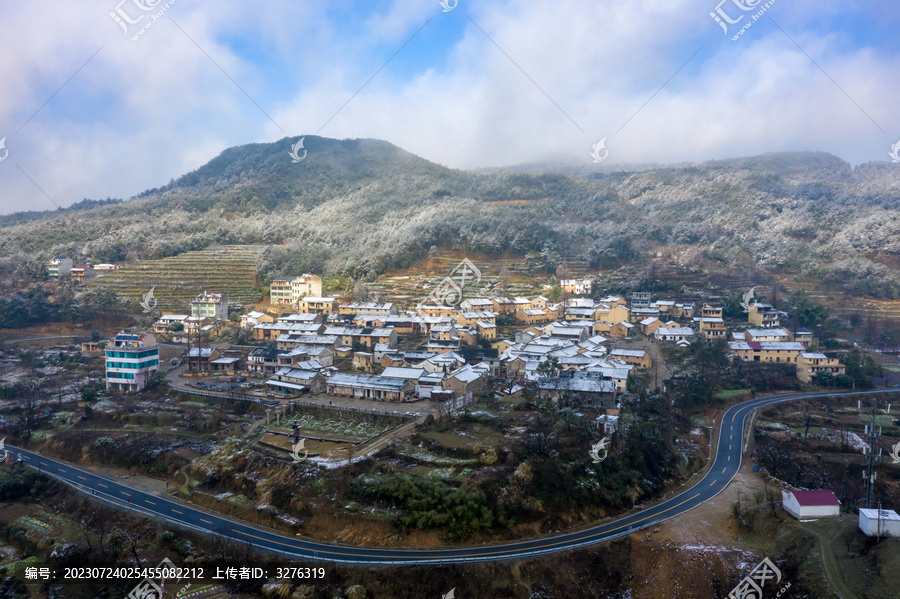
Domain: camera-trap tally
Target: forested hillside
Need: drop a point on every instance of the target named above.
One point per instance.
(365, 206)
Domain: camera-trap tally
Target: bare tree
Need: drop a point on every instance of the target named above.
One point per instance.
(360, 292)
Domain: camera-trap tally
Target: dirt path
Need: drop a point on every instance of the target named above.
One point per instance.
(829, 564)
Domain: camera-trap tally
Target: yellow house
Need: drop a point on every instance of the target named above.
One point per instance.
(711, 311)
(649, 325)
(503, 305)
(763, 315)
(773, 352)
(639, 357)
(539, 303)
(620, 329)
(468, 336)
(501, 345)
(434, 310)
(712, 328)
(318, 305)
(468, 319)
(534, 317)
(363, 361)
(486, 330)
(810, 364)
(612, 312)
(601, 326)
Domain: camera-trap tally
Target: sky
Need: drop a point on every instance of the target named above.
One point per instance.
(107, 98)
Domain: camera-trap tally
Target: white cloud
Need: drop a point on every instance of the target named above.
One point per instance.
(143, 112)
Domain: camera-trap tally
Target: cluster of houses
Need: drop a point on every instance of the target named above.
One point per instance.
(565, 349)
(781, 346)
(60, 267)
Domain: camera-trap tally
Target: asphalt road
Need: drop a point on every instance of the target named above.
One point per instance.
(726, 464)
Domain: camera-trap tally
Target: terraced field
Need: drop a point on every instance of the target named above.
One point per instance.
(177, 280)
(415, 284)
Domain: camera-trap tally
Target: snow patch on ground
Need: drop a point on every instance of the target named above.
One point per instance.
(855, 441)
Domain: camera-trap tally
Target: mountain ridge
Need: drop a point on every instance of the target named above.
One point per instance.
(364, 206)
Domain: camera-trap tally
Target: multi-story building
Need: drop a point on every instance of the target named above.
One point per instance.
(711, 311)
(763, 315)
(777, 352)
(812, 363)
(131, 361)
(318, 305)
(640, 299)
(712, 328)
(576, 286)
(371, 308)
(210, 305)
(291, 290)
(59, 267)
(82, 273)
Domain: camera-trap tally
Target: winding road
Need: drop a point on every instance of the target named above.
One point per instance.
(726, 464)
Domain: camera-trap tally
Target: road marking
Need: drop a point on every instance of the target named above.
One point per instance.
(102, 485)
(723, 469)
(81, 477)
(207, 521)
(729, 447)
(60, 469)
(44, 463)
(485, 553)
(177, 512)
(729, 458)
(712, 483)
(150, 502)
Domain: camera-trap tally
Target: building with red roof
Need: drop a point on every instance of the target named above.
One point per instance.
(808, 505)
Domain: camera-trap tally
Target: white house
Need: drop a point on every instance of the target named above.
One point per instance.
(674, 334)
(808, 505)
(210, 305)
(879, 523)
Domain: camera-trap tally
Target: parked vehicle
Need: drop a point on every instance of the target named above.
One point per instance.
(213, 386)
(201, 384)
(232, 379)
(240, 379)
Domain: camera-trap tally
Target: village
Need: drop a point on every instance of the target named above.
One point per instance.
(437, 357)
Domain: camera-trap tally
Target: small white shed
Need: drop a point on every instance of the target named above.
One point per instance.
(808, 505)
(879, 523)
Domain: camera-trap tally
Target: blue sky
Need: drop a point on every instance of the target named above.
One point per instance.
(91, 111)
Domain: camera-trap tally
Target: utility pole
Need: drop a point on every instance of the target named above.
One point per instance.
(871, 458)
